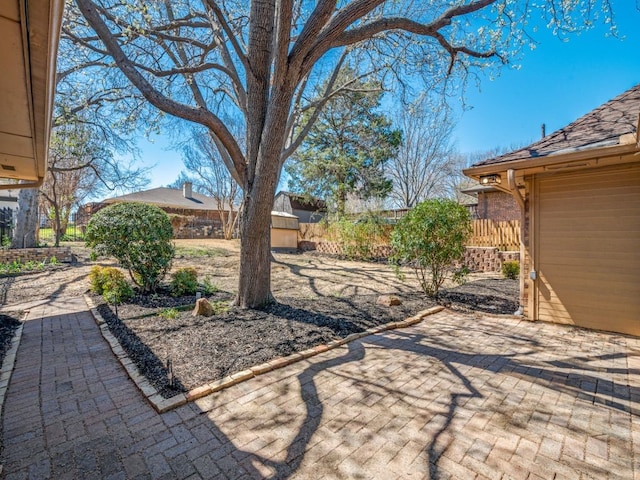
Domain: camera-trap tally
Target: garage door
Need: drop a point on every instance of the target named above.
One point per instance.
(588, 249)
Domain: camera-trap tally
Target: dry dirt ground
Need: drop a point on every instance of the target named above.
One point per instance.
(319, 298)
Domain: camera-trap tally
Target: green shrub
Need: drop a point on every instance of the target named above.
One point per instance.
(460, 275)
(11, 267)
(431, 239)
(220, 307)
(110, 283)
(184, 281)
(511, 269)
(115, 289)
(138, 236)
(18, 267)
(207, 288)
(357, 238)
(96, 279)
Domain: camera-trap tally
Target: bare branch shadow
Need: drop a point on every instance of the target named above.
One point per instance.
(314, 411)
(581, 385)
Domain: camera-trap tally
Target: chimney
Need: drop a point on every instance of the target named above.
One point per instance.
(543, 128)
(187, 189)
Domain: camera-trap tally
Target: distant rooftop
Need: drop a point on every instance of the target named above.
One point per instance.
(601, 127)
(302, 202)
(169, 198)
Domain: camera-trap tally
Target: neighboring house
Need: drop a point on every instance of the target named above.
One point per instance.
(9, 199)
(492, 204)
(29, 33)
(192, 215)
(579, 190)
(8, 207)
(307, 210)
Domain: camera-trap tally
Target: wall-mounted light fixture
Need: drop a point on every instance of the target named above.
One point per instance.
(493, 179)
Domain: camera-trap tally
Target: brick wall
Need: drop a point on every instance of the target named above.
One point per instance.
(195, 223)
(24, 255)
(499, 206)
(487, 259)
(477, 259)
(334, 248)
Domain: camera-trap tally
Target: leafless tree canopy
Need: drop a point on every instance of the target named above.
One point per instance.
(209, 176)
(426, 158)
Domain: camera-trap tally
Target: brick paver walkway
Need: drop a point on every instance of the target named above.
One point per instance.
(455, 397)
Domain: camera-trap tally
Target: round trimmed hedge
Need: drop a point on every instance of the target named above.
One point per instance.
(138, 236)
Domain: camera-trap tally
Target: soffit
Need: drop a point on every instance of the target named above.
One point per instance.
(27, 63)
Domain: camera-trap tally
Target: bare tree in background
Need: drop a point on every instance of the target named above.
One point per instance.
(458, 181)
(209, 176)
(80, 164)
(425, 161)
(259, 60)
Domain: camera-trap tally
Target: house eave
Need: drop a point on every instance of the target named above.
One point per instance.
(29, 33)
(564, 160)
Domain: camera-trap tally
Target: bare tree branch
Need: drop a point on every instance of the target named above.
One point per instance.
(196, 115)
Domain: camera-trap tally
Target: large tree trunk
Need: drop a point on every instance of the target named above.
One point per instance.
(25, 234)
(254, 286)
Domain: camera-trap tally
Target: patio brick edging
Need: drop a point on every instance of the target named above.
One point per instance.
(8, 364)
(162, 405)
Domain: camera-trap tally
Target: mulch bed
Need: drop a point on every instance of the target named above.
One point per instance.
(179, 354)
(9, 323)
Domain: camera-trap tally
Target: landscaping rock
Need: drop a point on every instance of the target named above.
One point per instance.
(388, 300)
(203, 308)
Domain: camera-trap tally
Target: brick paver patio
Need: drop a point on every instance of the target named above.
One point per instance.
(456, 396)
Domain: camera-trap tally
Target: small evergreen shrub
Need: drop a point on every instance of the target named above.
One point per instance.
(460, 275)
(117, 291)
(358, 238)
(111, 284)
(208, 288)
(169, 313)
(96, 280)
(138, 236)
(184, 282)
(511, 269)
(430, 239)
(220, 307)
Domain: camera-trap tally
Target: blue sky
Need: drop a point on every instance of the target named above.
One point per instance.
(556, 83)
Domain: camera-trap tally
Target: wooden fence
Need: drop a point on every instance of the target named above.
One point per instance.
(486, 233)
(489, 233)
